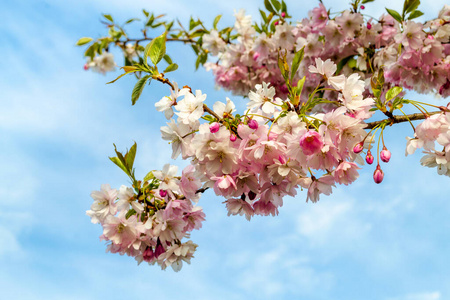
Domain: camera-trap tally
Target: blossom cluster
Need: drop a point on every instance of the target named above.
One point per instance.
(255, 160)
(150, 224)
(101, 63)
(414, 55)
(435, 129)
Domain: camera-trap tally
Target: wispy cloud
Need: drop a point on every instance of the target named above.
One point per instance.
(419, 296)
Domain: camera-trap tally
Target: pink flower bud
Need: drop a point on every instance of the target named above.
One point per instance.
(369, 26)
(159, 249)
(369, 157)
(283, 14)
(163, 193)
(311, 142)
(385, 155)
(362, 7)
(430, 37)
(252, 124)
(378, 175)
(282, 159)
(214, 127)
(276, 23)
(358, 147)
(233, 137)
(148, 254)
(255, 56)
(86, 67)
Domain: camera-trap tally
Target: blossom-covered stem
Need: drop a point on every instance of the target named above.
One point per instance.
(271, 125)
(326, 89)
(373, 135)
(189, 133)
(371, 138)
(370, 17)
(323, 100)
(423, 103)
(382, 136)
(378, 146)
(188, 40)
(401, 119)
(310, 124)
(261, 116)
(308, 116)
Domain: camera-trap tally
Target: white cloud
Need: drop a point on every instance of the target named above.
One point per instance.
(419, 296)
(335, 223)
(10, 246)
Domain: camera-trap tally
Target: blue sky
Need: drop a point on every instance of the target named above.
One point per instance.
(57, 127)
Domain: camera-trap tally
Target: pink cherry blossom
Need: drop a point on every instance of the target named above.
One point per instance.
(311, 142)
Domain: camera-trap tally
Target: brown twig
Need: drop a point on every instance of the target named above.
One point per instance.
(164, 80)
(401, 119)
(211, 112)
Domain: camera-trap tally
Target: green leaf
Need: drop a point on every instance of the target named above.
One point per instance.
(83, 41)
(108, 17)
(263, 15)
(130, 155)
(393, 92)
(276, 4)
(120, 76)
(138, 88)
(150, 20)
(130, 213)
(117, 161)
(201, 59)
(268, 6)
(376, 92)
(216, 21)
(282, 68)
(352, 63)
(145, 13)
(298, 57)
(394, 14)
(367, 1)
(300, 85)
(415, 14)
(132, 20)
(410, 6)
(169, 26)
(283, 7)
(170, 68)
(256, 26)
(373, 109)
(168, 59)
(209, 118)
(157, 49)
(149, 176)
(193, 24)
(342, 63)
(90, 51)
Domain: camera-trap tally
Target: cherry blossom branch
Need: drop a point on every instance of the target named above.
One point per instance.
(188, 40)
(401, 119)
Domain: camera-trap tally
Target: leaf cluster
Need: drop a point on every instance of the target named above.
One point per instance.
(273, 14)
(409, 12)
